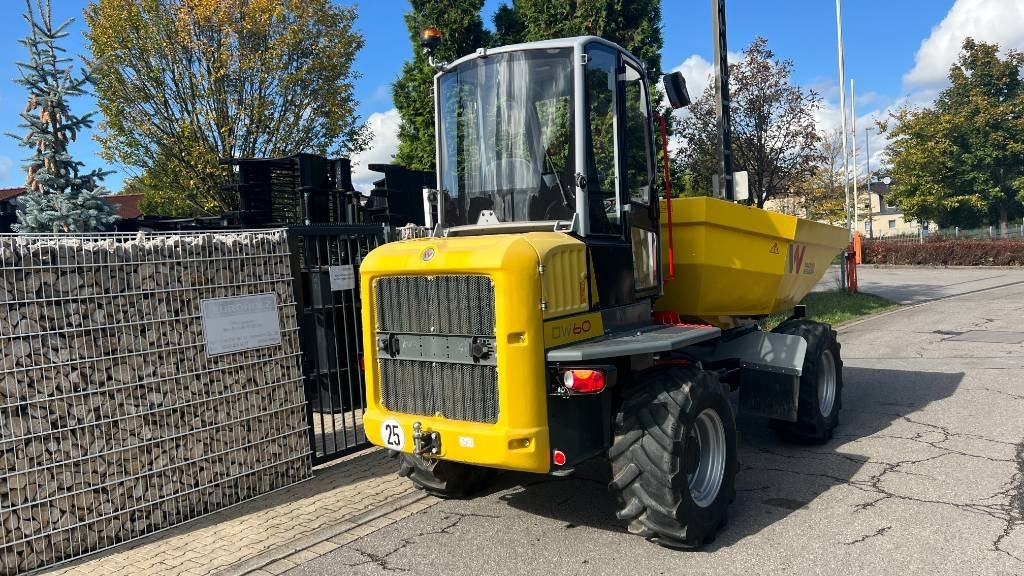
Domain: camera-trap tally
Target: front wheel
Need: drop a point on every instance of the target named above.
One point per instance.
(821, 382)
(674, 456)
(443, 478)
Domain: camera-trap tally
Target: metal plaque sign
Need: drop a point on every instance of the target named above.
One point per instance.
(342, 277)
(240, 323)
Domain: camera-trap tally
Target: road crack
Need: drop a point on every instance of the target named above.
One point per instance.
(383, 560)
(933, 436)
(1015, 508)
(880, 532)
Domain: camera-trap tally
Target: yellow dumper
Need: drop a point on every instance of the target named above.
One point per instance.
(536, 328)
(734, 261)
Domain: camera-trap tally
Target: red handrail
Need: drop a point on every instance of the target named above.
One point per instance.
(668, 199)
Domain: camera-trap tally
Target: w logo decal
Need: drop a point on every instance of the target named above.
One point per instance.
(795, 259)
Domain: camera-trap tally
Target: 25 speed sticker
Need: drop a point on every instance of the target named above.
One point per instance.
(392, 435)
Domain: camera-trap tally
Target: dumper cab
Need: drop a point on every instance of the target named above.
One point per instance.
(531, 328)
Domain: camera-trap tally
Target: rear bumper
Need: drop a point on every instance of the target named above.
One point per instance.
(522, 449)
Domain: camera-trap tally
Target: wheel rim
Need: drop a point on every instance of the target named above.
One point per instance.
(826, 383)
(707, 442)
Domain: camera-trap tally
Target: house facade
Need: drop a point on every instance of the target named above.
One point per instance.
(876, 218)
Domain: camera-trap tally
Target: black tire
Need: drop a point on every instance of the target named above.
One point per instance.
(663, 420)
(443, 478)
(817, 417)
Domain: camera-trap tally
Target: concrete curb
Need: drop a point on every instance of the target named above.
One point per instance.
(323, 534)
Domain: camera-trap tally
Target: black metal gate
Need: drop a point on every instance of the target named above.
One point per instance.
(325, 264)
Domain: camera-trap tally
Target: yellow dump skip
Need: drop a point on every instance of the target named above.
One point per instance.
(734, 261)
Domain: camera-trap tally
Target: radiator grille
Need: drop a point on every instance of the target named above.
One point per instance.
(457, 305)
(451, 304)
(467, 392)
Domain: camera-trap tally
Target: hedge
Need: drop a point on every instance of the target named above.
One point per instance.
(945, 252)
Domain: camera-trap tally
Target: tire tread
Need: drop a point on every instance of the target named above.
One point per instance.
(647, 456)
(811, 426)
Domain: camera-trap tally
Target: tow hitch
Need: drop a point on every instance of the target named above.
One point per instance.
(425, 443)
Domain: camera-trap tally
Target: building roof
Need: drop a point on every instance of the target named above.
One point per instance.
(11, 193)
(127, 204)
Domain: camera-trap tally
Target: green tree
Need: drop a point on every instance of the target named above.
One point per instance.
(459, 21)
(774, 134)
(636, 25)
(184, 83)
(961, 160)
(60, 198)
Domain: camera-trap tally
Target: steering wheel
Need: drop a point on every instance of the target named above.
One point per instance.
(556, 210)
(521, 172)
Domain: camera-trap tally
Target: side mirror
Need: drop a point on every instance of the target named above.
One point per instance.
(675, 89)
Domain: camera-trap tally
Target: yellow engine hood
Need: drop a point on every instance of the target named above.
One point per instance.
(535, 276)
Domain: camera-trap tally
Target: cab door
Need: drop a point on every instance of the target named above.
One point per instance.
(638, 191)
(622, 214)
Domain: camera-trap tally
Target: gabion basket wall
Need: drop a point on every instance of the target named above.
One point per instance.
(114, 421)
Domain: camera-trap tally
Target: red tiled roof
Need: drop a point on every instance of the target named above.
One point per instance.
(10, 193)
(128, 204)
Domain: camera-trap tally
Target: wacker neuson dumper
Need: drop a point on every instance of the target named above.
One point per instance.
(537, 327)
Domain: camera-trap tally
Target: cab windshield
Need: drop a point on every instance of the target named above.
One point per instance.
(506, 138)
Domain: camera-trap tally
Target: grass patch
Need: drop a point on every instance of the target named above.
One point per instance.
(834, 307)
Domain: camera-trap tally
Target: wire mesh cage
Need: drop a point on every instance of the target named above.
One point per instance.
(115, 421)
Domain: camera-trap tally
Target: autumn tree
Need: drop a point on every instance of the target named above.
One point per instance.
(184, 83)
(774, 134)
(459, 21)
(961, 160)
(824, 192)
(60, 197)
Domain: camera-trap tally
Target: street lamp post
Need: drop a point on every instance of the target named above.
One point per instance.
(842, 121)
(867, 151)
(853, 130)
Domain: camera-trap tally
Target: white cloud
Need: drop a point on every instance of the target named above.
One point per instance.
(869, 139)
(5, 167)
(996, 21)
(698, 73)
(383, 145)
(381, 94)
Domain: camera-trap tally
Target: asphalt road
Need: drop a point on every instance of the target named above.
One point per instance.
(917, 284)
(923, 477)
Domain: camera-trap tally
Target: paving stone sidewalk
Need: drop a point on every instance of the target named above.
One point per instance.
(344, 500)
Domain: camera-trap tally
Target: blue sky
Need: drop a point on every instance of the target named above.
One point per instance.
(898, 52)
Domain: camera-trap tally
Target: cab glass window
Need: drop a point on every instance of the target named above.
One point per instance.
(637, 137)
(602, 185)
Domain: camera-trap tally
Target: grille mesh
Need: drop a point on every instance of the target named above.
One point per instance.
(451, 304)
(460, 305)
(467, 392)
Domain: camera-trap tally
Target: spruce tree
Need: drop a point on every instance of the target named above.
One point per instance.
(460, 23)
(60, 198)
(634, 25)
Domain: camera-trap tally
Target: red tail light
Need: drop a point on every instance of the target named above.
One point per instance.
(583, 381)
(558, 457)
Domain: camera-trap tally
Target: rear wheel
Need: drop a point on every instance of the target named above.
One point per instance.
(443, 478)
(674, 456)
(821, 383)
